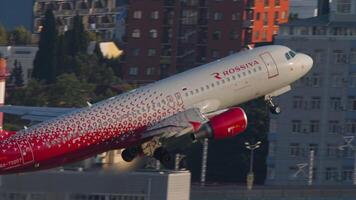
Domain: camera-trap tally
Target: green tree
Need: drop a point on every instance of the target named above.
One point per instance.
(35, 94)
(3, 35)
(69, 91)
(20, 36)
(77, 38)
(45, 60)
(17, 74)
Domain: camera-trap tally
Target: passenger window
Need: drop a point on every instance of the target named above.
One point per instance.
(223, 81)
(217, 83)
(249, 71)
(260, 68)
(196, 90)
(186, 94)
(191, 92)
(212, 85)
(239, 75)
(254, 69)
(234, 78)
(287, 56)
(202, 89)
(228, 79)
(207, 87)
(244, 73)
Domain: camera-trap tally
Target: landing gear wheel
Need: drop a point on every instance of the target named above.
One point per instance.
(130, 153)
(274, 108)
(162, 155)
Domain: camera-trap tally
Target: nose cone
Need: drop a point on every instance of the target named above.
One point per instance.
(307, 62)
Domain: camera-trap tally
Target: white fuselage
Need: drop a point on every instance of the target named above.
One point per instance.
(118, 122)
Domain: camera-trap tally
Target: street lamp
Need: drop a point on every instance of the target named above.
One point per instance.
(250, 175)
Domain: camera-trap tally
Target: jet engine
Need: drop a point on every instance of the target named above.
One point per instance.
(227, 124)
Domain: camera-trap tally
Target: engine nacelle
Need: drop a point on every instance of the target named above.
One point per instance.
(228, 124)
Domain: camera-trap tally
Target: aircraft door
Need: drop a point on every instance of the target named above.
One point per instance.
(25, 150)
(270, 64)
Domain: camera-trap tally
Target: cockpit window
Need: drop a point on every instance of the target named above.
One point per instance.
(287, 56)
(292, 54)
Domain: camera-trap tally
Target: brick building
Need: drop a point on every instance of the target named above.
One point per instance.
(166, 37)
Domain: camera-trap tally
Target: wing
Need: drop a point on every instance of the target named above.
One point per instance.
(36, 113)
(177, 125)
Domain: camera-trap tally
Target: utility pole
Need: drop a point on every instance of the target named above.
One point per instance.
(204, 161)
(311, 166)
(250, 175)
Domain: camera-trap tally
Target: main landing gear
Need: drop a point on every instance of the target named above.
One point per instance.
(130, 153)
(160, 153)
(273, 108)
(163, 155)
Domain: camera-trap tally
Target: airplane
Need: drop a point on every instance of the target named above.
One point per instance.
(195, 104)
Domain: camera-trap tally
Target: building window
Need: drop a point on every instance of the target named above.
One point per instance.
(153, 33)
(266, 3)
(155, 15)
(234, 35)
(236, 16)
(136, 33)
(335, 104)
(340, 57)
(294, 149)
(284, 15)
(264, 35)
(296, 126)
(351, 126)
(137, 14)
(314, 126)
(135, 52)
(352, 81)
(347, 174)
(352, 103)
(331, 150)
(216, 35)
(215, 54)
(319, 56)
(315, 80)
(265, 18)
(330, 173)
(353, 56)
(217, 16)
(150, 71)
(336, 80)
(258, 16)
(315, 103)
(256, 35)
(133, 71)
(334, 126)
(343, 6)
(151, 52)
(298, 102)
(276, 18)
(277, 2)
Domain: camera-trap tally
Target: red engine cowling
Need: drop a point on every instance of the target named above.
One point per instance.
(228, 124)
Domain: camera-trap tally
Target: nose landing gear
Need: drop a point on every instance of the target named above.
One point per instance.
(273, 107)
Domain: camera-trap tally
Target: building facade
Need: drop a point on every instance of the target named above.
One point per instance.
(319, 114)
(304, 8)
(96, 185)
(99, 16)
(166, 37)
(20, 56)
